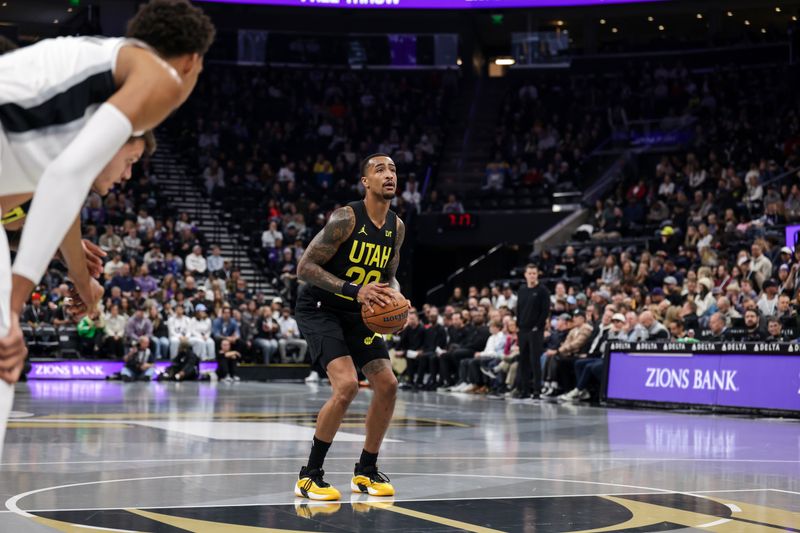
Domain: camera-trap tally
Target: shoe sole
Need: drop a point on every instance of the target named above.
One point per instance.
(300, 493)
(363, 489)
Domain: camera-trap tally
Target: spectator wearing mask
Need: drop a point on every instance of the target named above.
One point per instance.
(139, 362)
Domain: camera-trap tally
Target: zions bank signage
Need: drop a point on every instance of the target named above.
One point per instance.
(430, 4)
(754, 380)
(92, 369)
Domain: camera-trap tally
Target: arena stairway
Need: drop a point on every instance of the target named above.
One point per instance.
(470, 135)
(186, 196)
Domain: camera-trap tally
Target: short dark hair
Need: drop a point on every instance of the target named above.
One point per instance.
(149, 139)
(366, 160)
(172, 27)
(532, 265)
(6, 45)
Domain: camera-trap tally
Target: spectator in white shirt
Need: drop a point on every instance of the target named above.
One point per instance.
(195, 262)
(290, 336)
(271, 235)
(200, 334)
(144, 222)
(411, 195)
(507, 298)
(112, 267)
(179, 327)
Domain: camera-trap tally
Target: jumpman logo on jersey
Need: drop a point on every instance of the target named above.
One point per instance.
(363, 230)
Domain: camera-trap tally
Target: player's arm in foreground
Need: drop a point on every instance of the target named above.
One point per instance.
(323, 247)
(149, 91)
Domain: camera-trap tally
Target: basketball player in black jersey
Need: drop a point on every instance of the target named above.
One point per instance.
(352, 262)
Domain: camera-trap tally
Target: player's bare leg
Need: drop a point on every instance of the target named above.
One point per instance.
(344, 381)
(367, 478)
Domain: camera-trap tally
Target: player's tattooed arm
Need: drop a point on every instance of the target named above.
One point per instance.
(323, 247)
(395, 262)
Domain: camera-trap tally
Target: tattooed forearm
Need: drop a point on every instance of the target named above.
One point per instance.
(323, 247)
(391, 270)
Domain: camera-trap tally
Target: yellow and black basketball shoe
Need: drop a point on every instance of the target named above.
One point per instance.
(312, 486)
(368, 480)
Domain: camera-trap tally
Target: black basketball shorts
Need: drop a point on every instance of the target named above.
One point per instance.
(331, 333)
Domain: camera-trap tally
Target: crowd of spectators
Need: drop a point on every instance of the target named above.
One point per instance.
(689, 248)
(279, 148)
(169, 295)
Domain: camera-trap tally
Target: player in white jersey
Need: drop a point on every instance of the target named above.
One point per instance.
(67, 105)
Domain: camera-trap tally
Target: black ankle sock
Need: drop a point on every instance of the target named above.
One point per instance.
(368, 459)
(319, 449)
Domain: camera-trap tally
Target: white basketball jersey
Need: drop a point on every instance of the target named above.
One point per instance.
(47, 93)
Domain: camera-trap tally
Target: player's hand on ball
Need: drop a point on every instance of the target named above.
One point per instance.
(12, 352)
(94, 258)
(375, 294)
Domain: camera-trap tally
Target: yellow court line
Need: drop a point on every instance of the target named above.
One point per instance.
(647, 514)
(760, 513)
(66, 527)
(204, 526)
(440, 520)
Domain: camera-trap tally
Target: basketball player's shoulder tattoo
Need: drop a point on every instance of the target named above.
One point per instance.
(375, 366)
(391, 270)
(323, 247)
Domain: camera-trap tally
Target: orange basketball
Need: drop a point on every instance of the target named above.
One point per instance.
(386, 319)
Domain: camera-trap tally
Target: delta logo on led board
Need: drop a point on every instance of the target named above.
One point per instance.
(432, 4)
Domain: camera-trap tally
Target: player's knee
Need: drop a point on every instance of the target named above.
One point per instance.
(346, 392)
(386, 386)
